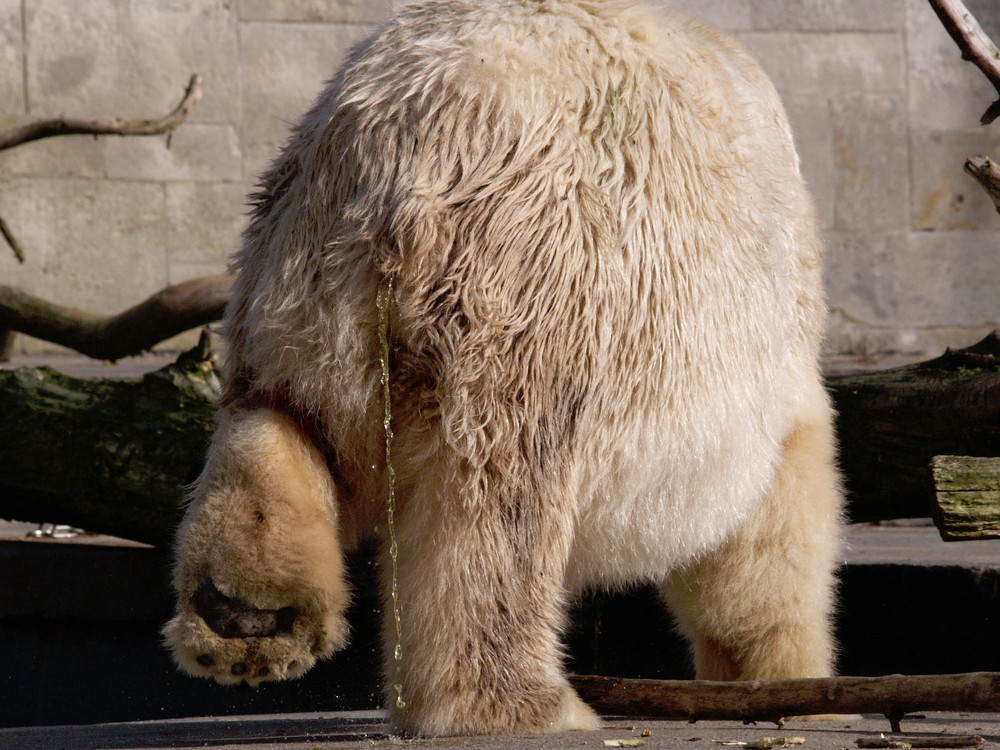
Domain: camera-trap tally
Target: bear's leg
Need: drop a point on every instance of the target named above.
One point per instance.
(760, 606)
(259, 573)
(482, 608)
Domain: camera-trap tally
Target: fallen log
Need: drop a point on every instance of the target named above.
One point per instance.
(890, 425)
(894, 696)
(112, 456)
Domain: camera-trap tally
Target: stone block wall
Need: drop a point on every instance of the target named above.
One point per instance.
(883, 109)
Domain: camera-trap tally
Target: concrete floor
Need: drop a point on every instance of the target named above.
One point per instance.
(909, 543)
(368, 729)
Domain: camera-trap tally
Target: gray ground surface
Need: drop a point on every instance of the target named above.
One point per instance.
(916, 544)
(913, 543)
(895, 544)
(369, 730)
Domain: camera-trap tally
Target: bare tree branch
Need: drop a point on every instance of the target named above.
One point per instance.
(170, 311)
(976, 45)
(773, 700)
(33, 131)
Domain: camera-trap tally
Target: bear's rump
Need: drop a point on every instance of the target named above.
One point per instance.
(591, 256)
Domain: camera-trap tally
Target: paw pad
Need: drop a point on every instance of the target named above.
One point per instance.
(233, 618)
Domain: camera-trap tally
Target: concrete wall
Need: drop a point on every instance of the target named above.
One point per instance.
(883, 108)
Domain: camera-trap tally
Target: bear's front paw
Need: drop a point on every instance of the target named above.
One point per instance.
(228, 639)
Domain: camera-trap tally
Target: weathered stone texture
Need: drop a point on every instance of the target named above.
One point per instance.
(93, 244)
(812, 126)
(89, 58)
(78, 156)
(11, 59)
(195, 152)
(828, 15)
(725, 14)
(944, 195)
(862, 275)
(830, 64)
(282, 68)
(910, 292)
(316, 11)
(883, 109)
(205, 220)
(872, 161)
(955, 278)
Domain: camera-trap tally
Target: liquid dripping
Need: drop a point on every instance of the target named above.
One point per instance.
(382, 301)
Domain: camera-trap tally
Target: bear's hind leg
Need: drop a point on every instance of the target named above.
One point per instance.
(259, 571)
(760, 606)
(482, 603)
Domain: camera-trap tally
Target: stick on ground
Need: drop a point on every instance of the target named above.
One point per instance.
(894, 696)
(902, 743)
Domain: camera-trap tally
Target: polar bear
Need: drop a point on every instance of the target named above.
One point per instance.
(598, 272)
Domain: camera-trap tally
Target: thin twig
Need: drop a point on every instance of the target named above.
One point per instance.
(33, 131)
(976, 45)
(8, 235)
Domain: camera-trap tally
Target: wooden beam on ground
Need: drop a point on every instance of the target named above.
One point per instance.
(774, 700)
(890, 424)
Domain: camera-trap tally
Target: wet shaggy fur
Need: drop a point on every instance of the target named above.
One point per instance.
(604, 330)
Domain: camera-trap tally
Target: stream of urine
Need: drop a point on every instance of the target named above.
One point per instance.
(383, 300)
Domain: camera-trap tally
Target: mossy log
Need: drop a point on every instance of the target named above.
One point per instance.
(966, 497)
(109, 455)
(115, 456)
(891, 424)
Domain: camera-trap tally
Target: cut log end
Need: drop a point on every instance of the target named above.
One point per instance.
(966, 497)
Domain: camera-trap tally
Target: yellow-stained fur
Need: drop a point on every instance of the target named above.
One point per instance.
(605, 328)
